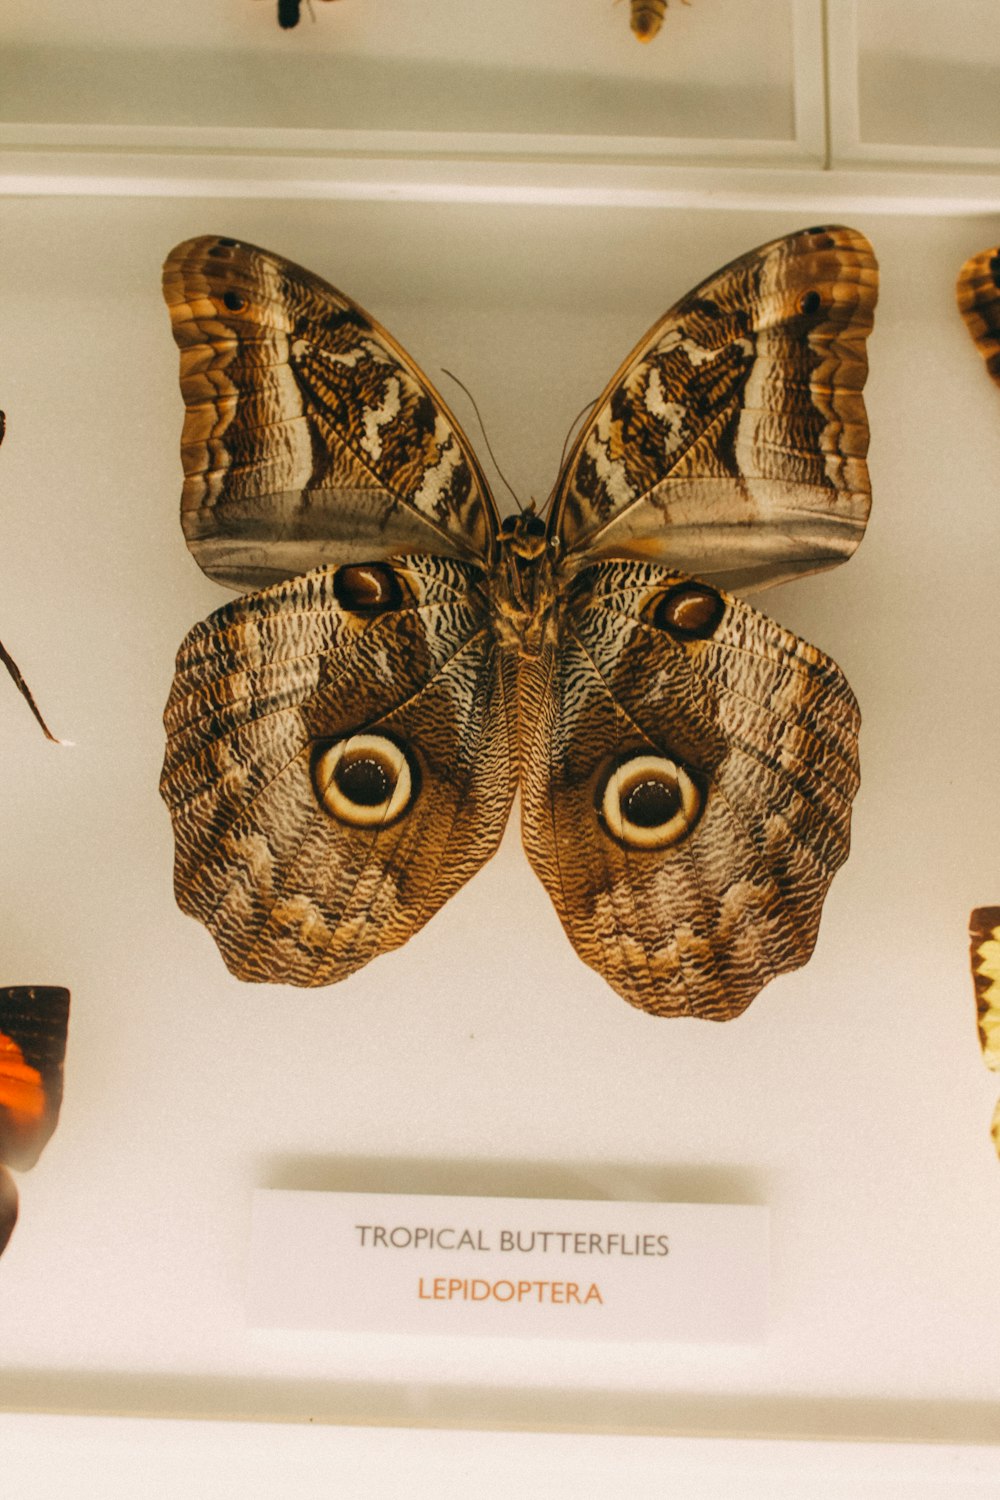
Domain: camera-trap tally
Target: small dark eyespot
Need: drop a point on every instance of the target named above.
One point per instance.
(365, 782)
(816, 229)
(367, 588)
(691, 611)
(235, 301)
(651, 803)
(810, 302)
(224, 241)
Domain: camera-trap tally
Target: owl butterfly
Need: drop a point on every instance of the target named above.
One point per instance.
(32, 1045)
(647, 17)
(289, 13)
(978, 293)
(343, 746)
(11, 665)
(984, 939)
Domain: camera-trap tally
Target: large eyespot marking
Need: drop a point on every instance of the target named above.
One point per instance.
(235, 301)
(692, 611)
(367, 588)
(810, 303)
(366, 780)
(648, 801)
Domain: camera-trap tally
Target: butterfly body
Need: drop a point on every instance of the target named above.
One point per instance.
(345, 741)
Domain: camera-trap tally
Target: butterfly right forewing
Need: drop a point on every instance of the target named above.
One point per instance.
(731, 443)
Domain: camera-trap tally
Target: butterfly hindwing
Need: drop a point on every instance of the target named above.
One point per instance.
(309, 435)
(687, 773)
(33, 1022)
(296, 717)
(732, 440)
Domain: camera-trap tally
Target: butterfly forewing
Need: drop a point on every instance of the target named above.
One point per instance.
(309, 435)
(286, 704)
(731, 443)
(33, 1021)
(978, 294)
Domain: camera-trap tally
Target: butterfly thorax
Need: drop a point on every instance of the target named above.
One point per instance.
(522, 588)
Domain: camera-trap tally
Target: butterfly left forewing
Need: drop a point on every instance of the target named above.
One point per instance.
(731, 443)
(734, 743)
(984, 945)
(33, 1021)
(309, 433)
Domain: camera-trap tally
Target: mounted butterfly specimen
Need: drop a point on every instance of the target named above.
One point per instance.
(984, 939)
(344, 743)
(978, 293)
(647, 17)
(33, 1022)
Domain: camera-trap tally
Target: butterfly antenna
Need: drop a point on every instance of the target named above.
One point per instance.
(26, 694)
(472, 401)
(565, 448)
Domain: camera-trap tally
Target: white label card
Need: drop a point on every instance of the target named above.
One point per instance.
(531, 1267)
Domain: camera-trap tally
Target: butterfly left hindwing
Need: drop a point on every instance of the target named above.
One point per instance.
(343, 747)
(32, 1046)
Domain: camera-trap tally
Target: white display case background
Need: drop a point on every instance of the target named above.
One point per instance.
(483, 1057)
(735, 102)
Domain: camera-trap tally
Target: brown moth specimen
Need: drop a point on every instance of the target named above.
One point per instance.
(978, 293)
(343, 746)
(32, 1046)
(647, 17)
(984, 940)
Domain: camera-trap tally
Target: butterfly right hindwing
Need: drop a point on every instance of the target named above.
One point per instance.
(735, 746)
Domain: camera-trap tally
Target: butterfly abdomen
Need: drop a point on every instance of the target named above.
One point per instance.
(647, 18)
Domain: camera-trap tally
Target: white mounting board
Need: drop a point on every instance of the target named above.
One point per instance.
(483, 1057)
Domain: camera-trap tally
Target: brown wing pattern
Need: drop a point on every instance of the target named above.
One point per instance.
(984, 942)
(309, 435)
(735, 745)
(731, 443)
(978, 293)
(33, 1021)
(336, 770)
